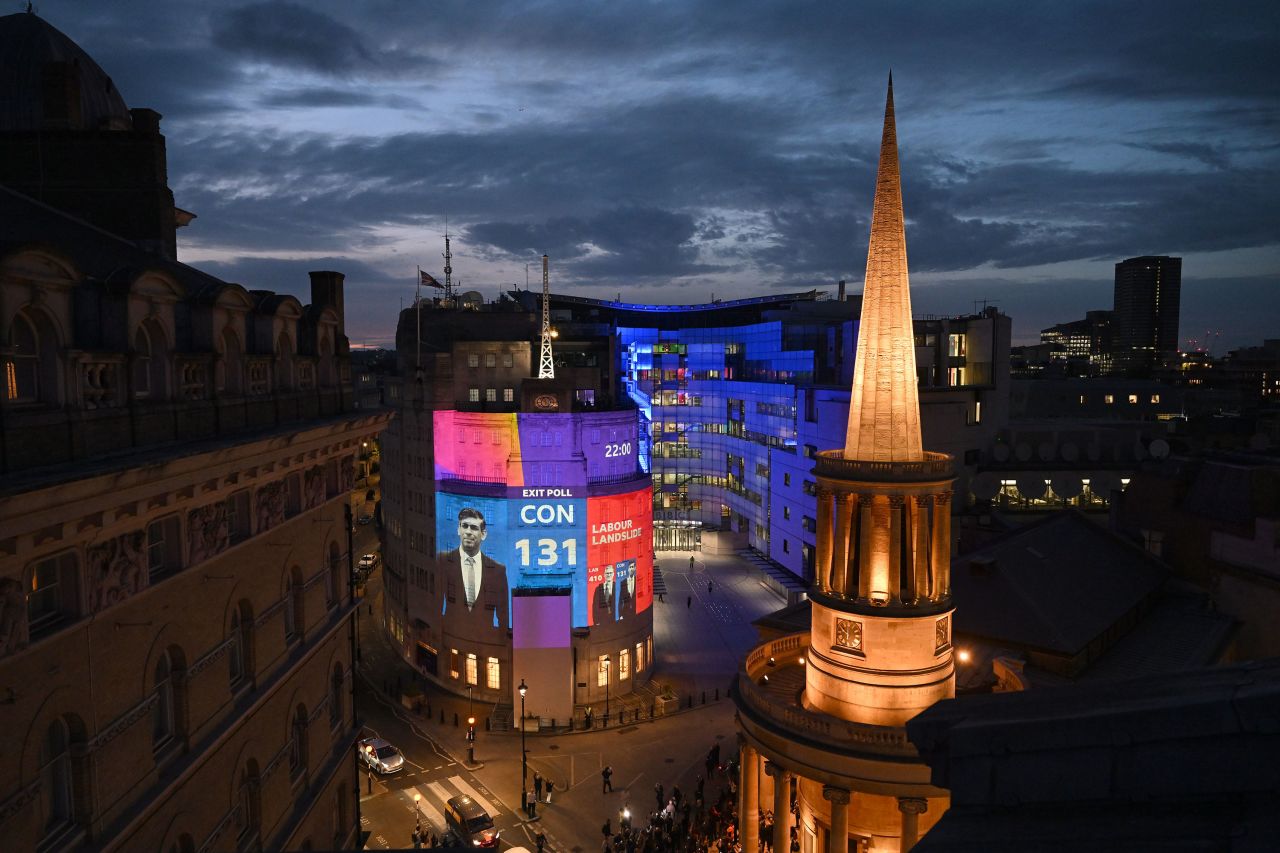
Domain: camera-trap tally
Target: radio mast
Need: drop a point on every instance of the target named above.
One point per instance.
(546, 367)
(448, 263)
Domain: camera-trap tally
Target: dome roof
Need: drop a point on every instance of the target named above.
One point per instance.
(30, 49)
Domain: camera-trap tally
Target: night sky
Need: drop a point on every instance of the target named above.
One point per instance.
(670, 151)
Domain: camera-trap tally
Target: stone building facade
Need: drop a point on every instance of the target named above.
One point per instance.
(177, 618)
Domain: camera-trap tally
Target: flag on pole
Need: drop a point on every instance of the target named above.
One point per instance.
(425, 278)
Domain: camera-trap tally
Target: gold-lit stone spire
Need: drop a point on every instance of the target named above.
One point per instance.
(884, 412)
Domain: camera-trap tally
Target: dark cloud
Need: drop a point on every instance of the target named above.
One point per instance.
(295, 36)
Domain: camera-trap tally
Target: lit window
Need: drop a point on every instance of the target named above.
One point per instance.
(453, 663)
(977, 412)
(490, 395)
(1133, 399)
(473, 359)
(1109, 399)
(1155, 398)
(473, 394)
(473, 673)
(955, 345)
(624, 664)
(602, 671)
(508, 395)
(507, 361)
(490, 359)
(1082, 399)
(639, 657)
(492, 675)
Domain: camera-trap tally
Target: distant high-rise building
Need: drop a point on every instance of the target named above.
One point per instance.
(1145, 322)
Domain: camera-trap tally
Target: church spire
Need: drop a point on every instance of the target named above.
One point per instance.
(884, 412)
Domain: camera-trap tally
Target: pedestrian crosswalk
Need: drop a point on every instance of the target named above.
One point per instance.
(436, 793)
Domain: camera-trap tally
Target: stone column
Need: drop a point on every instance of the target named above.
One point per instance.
(838, 842)
(864, 546)
(895, 548)
(939, 546)
(840, 550)
(749, 799)
(920, 553)
(911, 808)
(944, 575)
(781, 806)
(822, 560)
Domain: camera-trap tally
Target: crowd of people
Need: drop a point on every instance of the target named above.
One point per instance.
(704, 819)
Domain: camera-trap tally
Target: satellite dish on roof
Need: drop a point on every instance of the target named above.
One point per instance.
(1158, 449)
(985, 486)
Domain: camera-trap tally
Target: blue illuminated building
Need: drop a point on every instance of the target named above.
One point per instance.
(735, 397)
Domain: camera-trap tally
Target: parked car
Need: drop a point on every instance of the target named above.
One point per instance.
(380, 755)
(470, 822)
(367, 563)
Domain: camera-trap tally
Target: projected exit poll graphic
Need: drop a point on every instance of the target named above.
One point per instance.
(542, 501)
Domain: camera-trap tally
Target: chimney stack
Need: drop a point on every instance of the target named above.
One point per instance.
(840, 294)
(326, 292)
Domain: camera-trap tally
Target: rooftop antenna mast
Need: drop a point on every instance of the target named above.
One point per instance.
(448, 263)
(546, 367)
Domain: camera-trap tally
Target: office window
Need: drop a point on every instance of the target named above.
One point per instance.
(624, 664)
(508, 395)
(473, 394)
(164, 545)
(955, 345)
(492, 680)
(473, 669)
(491, 395)
(955, 376)
(473, 359)
(52, 594)
(238, 516)
(490, 359)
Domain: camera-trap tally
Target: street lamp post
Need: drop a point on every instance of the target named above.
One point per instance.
(524, 756)
(417, 812)
(608, 664)
(471, 740)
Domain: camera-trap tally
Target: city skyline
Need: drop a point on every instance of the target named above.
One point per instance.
(675, 153)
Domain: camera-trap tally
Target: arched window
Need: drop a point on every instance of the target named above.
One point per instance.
(334, 575)
(284, 363)
(56, 804)
(248, 804)
(294, 617)
(298, 742)
(240, 652)
(150, 362)
(162, 710)
(141, 364)
(336, 705)
(229, 373)
(31, 373)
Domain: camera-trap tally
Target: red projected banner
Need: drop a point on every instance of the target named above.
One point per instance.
(619, 556)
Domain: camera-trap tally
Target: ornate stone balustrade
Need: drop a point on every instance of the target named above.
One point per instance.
(935, 466)
(840, 735)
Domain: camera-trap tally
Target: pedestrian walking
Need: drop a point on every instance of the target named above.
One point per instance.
(710, 586)
(537, 785)
(691, 563)
(657, 792)
(607, 829)
(606, 779)
(540, 840)
(688, 603)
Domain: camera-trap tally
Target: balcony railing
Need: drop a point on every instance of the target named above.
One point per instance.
(842, 735)
(934, 466)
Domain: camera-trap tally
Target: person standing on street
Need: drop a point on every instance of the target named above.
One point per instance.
(688, 603)
(537, 785)
(550, 785)
(691, 563)
(657, 792)
(606, 779)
